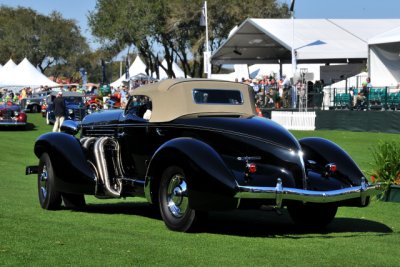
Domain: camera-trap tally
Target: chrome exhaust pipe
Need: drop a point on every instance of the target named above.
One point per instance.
(100, 156)
(86, 141)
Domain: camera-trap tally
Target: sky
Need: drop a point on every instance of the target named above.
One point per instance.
(304, 9)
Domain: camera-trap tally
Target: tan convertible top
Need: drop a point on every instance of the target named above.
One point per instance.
(173, 98)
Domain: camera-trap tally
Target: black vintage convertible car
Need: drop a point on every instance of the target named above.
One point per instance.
(194, 146)
(75, 108)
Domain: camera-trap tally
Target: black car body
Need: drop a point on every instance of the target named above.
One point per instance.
(202, 149)
(34, 102)
(75, 108)
(12, 115)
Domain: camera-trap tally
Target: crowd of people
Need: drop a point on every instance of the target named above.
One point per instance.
(120, 92)
(279, 93)
(358, 97)
(270, 92)
(9, 95)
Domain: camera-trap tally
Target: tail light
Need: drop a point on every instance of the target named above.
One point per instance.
(21, 117)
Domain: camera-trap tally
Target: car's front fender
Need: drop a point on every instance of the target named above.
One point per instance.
(211, 183)
(73, 174)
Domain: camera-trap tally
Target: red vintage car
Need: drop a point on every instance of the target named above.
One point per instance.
(12, 115)
(114, 101)
(93, 102)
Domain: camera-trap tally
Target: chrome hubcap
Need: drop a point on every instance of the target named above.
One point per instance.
(43, 181)
(177, 199)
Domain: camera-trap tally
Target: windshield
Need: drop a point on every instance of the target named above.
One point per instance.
(139, 105)
(76, 100)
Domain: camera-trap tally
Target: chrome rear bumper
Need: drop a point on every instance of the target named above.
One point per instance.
(279, 193)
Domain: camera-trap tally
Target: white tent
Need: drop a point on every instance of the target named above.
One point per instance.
(354, 81)
(384, 58)
(137, 67)
(225, 77)
(266, 41)
(6, 70)
(260, 70)
(241, 71)
(118, 82)
(177, 70)
(25, 74)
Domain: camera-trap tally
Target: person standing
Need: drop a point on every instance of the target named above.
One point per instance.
(286, 94)
(59, 112)
(124, 96)
(362, 97)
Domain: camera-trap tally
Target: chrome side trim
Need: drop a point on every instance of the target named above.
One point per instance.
(280, 193)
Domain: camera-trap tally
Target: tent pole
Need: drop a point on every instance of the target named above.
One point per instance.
(207, 44)
(294, 63)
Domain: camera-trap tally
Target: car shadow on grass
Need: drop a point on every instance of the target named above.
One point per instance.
(271, 224)
(12, 128)
(253, 223)
(133, 208)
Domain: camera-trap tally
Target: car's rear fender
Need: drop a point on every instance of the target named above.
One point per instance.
(211, 183)
(321, 152)
(73, 174)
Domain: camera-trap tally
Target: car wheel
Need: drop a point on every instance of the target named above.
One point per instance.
(49, 198)
(34, 109)
(174, 201)
(312, 215)
(73, 201)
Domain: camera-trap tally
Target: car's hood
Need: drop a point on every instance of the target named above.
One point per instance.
(75, 106)
(103, 117)
(6, 107)
(252, 127)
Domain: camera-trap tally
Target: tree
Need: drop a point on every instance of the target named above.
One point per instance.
(44, 40)
(172, 27)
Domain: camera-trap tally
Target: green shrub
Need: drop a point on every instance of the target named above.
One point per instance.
(386, 163)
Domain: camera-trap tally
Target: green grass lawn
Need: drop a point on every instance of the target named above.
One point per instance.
(130, 232)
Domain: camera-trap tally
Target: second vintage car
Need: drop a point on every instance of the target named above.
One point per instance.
(194, 146)
(75, 108)
(34, 102)
(11, 114)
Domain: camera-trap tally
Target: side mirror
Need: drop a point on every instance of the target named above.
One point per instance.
(70, 127)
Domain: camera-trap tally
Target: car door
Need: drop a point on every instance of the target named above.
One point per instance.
(134, 139)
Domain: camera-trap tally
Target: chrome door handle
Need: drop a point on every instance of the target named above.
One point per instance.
(160, 132)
